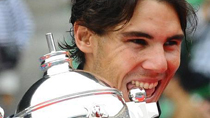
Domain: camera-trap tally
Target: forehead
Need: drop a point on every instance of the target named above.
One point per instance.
(154, 15)
(154, 7)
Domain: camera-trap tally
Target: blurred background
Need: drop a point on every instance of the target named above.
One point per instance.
(41, 17)
(188, 93)
(187, 96)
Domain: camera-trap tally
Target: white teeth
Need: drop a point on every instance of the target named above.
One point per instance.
(144, 85)
(151, 86)
(141, 84)
(155, 84)
(137, 83)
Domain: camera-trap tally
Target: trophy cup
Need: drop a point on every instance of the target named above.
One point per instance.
(64, 92)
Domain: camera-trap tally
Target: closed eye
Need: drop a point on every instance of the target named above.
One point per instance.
(138, 41)
(171, 43)
(174, 40)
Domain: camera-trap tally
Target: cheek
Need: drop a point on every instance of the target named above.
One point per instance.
(121, 63)
(173, 61)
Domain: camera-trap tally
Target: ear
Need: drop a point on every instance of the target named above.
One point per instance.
(82, 37)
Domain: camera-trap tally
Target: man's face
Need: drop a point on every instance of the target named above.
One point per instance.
(145, 53)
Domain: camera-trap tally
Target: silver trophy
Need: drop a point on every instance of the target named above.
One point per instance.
(63, 92)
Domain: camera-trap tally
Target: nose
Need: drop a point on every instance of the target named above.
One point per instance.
(155, 60)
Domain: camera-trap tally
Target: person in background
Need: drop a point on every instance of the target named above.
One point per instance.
(16, 27)
(191, 98)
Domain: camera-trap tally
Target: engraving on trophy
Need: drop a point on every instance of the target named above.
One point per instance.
(96, 111)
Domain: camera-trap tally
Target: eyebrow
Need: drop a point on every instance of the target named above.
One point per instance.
(178, 37)
(137, 34)
(146, 35)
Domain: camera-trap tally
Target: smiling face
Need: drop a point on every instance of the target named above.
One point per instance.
(145, 53)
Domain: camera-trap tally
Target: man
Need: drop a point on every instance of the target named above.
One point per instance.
(130, 43)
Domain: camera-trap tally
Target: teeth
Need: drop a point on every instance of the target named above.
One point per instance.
(155, 84)
(144, 85)
(141, 84)
(137, 83)
(151, 86)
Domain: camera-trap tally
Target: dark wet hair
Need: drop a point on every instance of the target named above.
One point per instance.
(100, 16)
